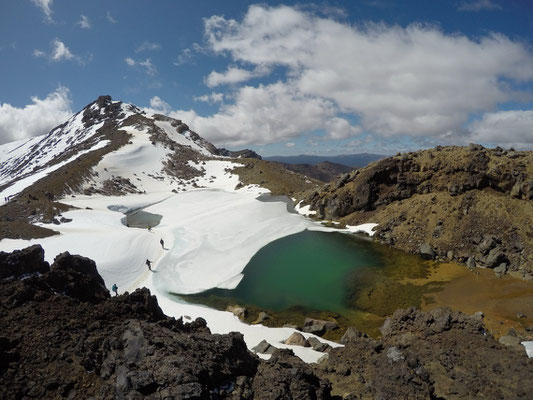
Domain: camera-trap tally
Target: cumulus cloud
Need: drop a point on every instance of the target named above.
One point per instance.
(46, 8)
(211, 98)
(84, 22)
(148, 46)
(234, 75)
(149, 68)
(414, 80)
(339, 128)
(36, 118)
(262, 115)
(478, 5)
(502, 127)
(157, 105)
(290, 144)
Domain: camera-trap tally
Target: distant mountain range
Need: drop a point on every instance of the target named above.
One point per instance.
(351, 160)
(324, 171)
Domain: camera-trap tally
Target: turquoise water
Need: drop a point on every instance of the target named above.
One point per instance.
(309, 269)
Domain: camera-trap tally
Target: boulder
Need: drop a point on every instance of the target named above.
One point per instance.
(317, 345)
(511, 341)
(263, 316)
(495, 257)
(297, 339)
(487, 244)
(264, 348)
(319, 327)
(351, 334)
(238, 311)
(21, 262)
(471, 263)
(426, 252)
(77, 277)
(500, 270)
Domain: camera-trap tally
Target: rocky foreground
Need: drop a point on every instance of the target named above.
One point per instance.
(63, 336)
(471, 205)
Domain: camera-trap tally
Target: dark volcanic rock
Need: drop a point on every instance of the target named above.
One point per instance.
(246, 153)
(436, 354)
(77, 277)
(426, 251)
(66, 344)
(27, 261)
(319, 327)
(285, 376)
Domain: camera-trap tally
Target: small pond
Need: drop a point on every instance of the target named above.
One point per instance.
(359, 283)
(141, 219)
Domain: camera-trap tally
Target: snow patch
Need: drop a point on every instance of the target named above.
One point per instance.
(22, 184)
(304, 210)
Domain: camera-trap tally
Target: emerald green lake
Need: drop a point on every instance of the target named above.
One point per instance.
(309, 269)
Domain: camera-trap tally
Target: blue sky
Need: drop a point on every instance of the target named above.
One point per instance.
(281, 78)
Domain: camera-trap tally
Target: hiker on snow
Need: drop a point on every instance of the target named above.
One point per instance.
(149, 263)
(114, 288)
(162, 243)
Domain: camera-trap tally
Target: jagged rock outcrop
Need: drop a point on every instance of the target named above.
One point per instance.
(422, 355)
(246, 153)
(449, 199)
(56, 343)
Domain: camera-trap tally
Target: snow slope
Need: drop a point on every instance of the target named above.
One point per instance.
(210, 230)
(210, 235)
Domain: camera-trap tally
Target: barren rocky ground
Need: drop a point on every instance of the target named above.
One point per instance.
(467, 204)
(63, 336)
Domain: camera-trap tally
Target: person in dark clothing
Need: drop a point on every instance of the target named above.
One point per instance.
(114, 288)
(149, 264)
(162, 243)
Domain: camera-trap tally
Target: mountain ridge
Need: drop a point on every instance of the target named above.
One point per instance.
(350, 160)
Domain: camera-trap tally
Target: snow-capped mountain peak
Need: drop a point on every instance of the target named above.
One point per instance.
(110, 139)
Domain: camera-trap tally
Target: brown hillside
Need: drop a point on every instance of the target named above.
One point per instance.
(469, 204)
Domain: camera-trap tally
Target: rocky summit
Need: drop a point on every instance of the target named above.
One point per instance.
(467, 204)
(64, 336)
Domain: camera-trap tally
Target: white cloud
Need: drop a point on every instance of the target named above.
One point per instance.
(478, 5)
(290, 144)
(234, 75)
(159, 106)
(38, 53)
(150, 68)
(84, 22)
(36, 118)
(262, 115)
(110, 18)
(502, 127)
(414, 80)
(185, 56)
(60, 51)
(211, 98)
(46, 8)
(148, 46)
(339, 128)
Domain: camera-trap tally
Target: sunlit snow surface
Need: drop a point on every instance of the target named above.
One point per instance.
(209, 233)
